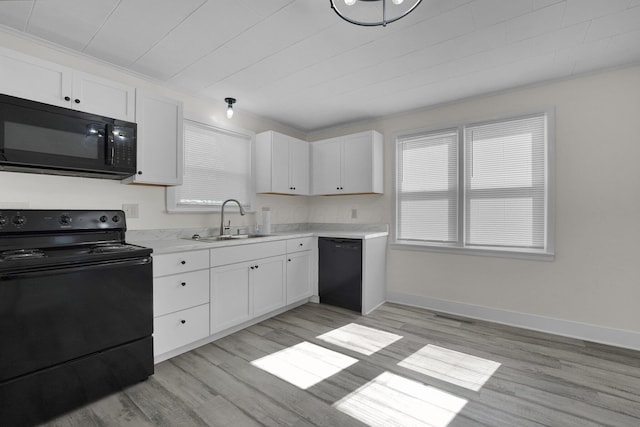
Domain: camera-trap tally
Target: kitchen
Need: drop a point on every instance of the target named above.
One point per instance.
(589, 291)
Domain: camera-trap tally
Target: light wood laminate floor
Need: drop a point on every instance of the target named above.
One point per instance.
(319, 365)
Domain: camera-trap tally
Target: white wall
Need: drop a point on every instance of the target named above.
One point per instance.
(35, 191)
(595, 278)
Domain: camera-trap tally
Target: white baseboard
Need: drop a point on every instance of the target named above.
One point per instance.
(584, 331)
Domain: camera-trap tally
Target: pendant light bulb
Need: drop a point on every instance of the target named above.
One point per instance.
(230, 102)
(349, 2)
(397, 1)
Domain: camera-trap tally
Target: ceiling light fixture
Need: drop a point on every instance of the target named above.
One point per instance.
(368, 12)
(230, 102)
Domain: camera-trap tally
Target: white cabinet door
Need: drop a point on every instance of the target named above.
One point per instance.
(180, 291)
(326, 158)
(299, 166)
(357, 165)
(230, 295)
(267, 277)
(351, 164)
(180, 328)
(160, 140)
(31, 78)
(298, 276)
(282, 164)
(104, 97)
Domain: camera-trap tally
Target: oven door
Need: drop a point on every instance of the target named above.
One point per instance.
(55, 315)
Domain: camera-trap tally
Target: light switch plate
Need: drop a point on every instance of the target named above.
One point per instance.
(131, 210)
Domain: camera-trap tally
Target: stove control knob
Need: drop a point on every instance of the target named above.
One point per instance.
(65, 219)
(3, 220)
(18, 220)
(115, 218)
(104, 218)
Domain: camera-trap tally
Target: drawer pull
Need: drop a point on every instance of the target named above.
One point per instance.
(301, 244)
(183, 262)
(183, 284)
(289, 260)
(256, 267)
(183, 321)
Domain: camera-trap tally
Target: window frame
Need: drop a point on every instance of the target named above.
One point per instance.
(545, 254)
(171, 194)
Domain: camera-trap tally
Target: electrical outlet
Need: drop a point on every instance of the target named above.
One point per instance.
(354, 213)
(131, 210)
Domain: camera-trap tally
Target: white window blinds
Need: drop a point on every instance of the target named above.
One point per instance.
(217, 167)
(479, 186)
(428, 187)
(505, 183)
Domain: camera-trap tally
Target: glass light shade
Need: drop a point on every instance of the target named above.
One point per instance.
(229, 112)
(349, 2)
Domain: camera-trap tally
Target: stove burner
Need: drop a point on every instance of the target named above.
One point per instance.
(21, 254)
(111, 247)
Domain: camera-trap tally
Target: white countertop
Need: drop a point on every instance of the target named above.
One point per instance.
(163, 246)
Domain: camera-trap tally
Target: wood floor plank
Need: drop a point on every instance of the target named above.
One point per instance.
(542, 379)
(204, 366)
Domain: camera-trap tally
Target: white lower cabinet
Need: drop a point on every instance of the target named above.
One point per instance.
(230, 290)
(198, 294)
(267, 280)
(181, 328)
(299, 269)
(247, 289)
(180, 299)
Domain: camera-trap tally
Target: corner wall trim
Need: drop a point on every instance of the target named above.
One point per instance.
(567, 328)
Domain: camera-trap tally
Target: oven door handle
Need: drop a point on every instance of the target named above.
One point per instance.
(63, 269)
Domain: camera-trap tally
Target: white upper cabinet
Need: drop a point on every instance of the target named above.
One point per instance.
(26, 77)
(104, 97)
(282, 164)
(31, 78)
(351, 164)
(160, 140)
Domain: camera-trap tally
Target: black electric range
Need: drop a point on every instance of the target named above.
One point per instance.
(76, 311)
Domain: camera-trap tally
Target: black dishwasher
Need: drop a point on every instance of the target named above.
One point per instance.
(340, 272)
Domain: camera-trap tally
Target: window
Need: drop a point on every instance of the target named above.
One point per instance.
(217, 167)
(476, 187)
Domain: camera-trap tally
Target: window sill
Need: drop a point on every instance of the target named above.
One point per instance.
(501, 253)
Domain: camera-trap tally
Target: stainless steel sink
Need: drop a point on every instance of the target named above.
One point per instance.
(197, 238)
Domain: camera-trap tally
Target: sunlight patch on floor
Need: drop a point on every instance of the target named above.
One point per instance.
(392, 400)
(304, 364)
(454, 367)
(361, 339)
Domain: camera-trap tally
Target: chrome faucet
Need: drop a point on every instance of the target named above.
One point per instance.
(242, 212)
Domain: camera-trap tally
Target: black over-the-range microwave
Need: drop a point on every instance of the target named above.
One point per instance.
(42, 138)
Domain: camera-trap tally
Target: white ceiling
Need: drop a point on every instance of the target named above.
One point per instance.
(297, 62)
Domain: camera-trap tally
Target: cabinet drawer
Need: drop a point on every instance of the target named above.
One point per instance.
(180, 291)
(300, 244)
(180, 262)
(181, 328)
(247, 252)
